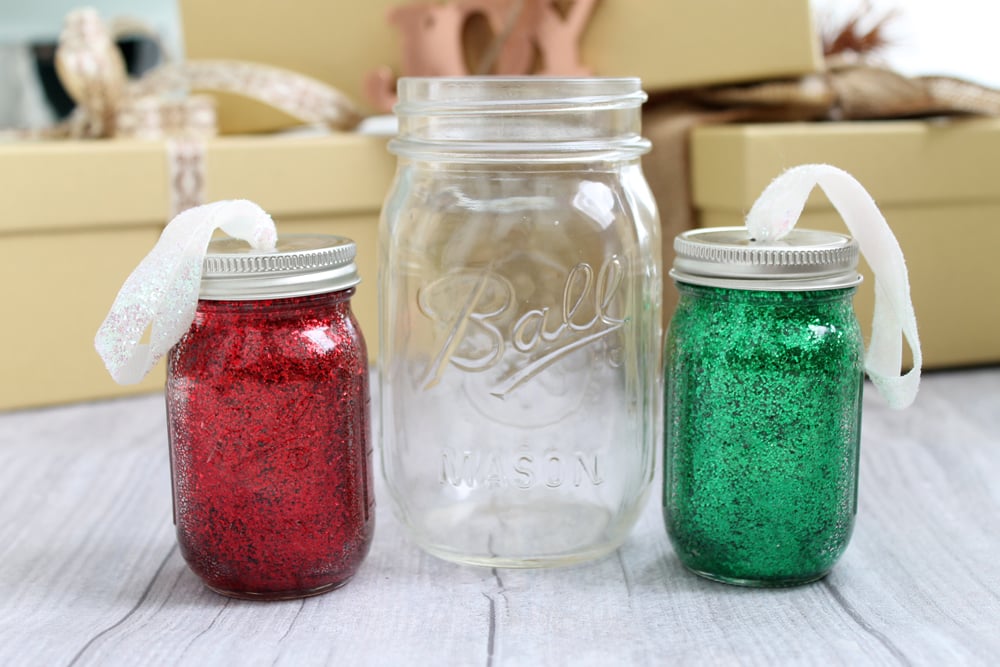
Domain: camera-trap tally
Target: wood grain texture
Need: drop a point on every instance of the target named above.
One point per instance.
(90, 574)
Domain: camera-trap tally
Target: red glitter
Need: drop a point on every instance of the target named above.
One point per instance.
(268, 416)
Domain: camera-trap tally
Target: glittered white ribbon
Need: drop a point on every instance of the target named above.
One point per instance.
(161, 294)
(775, 213)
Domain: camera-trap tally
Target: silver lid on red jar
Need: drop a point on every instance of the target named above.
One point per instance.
(804, 259)
(300, 265)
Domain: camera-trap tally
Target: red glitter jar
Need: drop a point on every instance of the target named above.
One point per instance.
(268, 417)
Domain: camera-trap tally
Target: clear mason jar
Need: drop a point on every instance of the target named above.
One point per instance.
(520, 309)
(268, 419)
(764, 375)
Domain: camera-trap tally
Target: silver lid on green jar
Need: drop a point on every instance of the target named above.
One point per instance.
(803, 260)
(300, 265)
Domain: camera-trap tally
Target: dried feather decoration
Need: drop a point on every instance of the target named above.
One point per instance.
(862, 35)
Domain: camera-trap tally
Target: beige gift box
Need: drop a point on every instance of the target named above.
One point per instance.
(935, 182)
(79, 216)
(667, 43)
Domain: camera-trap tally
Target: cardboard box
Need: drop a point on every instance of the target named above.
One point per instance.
(935, 182)
(668, 43)
(79, 216)
(673, 44)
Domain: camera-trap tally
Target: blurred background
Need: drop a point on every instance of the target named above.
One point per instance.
(29, 31)
(957, 37)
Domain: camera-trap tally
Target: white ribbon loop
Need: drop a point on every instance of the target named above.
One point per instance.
(775, 213)
(162, 292)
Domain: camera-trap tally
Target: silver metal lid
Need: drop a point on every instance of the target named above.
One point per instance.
(300, 265)
(803, 260)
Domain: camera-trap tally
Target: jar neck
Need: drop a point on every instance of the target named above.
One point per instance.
(519, 119)
(288, 306)
(764, 296)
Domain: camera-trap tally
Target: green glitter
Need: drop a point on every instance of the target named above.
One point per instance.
(763, 416)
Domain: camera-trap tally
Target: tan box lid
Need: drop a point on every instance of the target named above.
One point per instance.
(683, 43)
(899, 162)
(70, 184)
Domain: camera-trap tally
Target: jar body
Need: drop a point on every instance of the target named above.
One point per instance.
(762, 428)
(519, 357)
(268, 418)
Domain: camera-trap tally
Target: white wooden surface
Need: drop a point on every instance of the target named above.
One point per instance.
(90, 575)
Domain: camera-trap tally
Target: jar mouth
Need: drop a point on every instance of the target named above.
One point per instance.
(502, 119)
(498, 95)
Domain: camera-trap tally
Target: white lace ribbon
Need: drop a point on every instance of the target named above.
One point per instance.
(161, 294)
(775, 213)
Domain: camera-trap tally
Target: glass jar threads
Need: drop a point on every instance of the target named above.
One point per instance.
(520, 295)
(268, 418)
(764, 375)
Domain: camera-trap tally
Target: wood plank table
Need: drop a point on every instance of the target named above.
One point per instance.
(90, 574)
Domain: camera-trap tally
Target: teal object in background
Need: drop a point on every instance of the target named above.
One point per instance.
(763, 406)
(31, 96)
(33, 21)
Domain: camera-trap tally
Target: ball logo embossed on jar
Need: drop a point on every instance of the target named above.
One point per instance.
(470, 303)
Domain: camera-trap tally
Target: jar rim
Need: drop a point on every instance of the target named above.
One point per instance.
(515, 118)
(511, 94)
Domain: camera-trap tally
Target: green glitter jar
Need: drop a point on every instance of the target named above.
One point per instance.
(764, 373)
